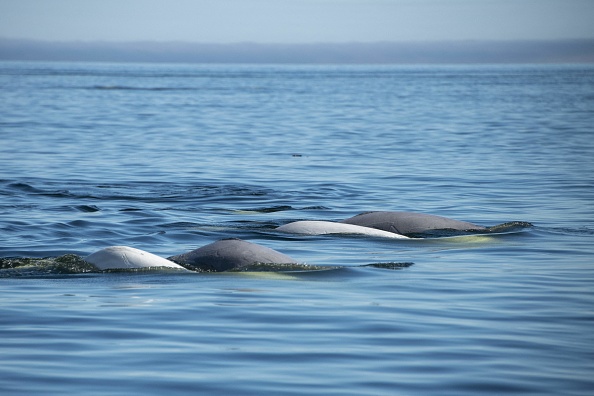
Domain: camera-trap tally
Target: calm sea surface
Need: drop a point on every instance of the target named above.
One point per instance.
(168, 158)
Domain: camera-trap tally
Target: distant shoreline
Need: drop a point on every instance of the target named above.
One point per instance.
(425, 52)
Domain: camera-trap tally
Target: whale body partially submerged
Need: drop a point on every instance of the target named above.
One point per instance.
(228, 254)
(329, 227)
(125, 257)
(406, 223)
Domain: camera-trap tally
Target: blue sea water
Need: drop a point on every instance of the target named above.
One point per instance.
(167, 158)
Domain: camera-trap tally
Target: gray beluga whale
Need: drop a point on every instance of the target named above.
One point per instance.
(315, 227)
(125, 257)
(228, 254)
(405, 223)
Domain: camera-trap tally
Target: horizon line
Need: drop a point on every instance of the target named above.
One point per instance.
(377, 52)
(410, 41)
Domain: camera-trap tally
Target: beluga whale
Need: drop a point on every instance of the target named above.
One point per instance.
(406, 223)
(229, 254)
(125, 257)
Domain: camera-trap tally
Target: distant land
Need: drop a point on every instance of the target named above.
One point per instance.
(447, 52)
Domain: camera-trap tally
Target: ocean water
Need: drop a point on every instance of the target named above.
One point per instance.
(167, 158)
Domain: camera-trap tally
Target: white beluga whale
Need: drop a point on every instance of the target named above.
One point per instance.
(315, 227)
(125, 257)
(229, 254)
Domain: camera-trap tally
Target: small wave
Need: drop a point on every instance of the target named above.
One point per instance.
(271, 209)
(28, 188)
(133, 192)
(88, 208)
(586, 231)
(131, 88)
(180, 225)
(24, 187)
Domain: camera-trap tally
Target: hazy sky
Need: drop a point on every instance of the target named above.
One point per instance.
(295, 21)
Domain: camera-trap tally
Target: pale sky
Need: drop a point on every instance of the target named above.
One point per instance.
(295, 21)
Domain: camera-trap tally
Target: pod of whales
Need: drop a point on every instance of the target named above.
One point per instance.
(229, 254)
(329, 227)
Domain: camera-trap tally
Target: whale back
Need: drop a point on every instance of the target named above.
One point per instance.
(228, 254)
(409, 223)
(125, 257)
